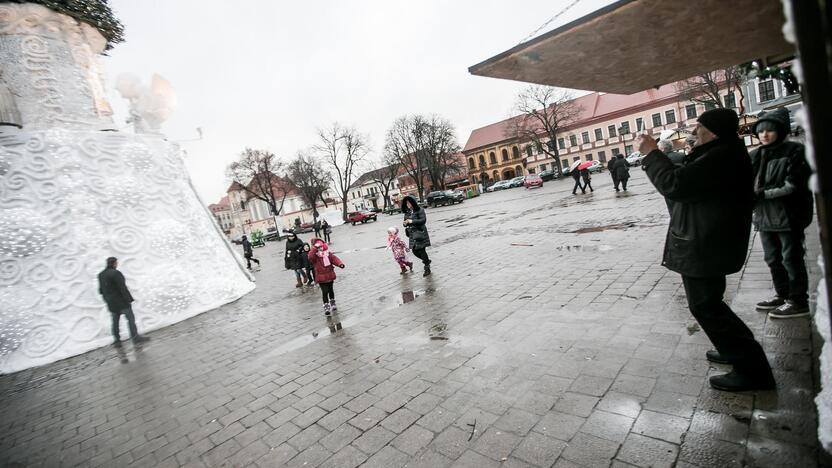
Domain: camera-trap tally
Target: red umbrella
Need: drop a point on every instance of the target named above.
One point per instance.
(584, 165)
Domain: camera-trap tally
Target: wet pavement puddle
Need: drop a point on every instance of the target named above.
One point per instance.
(334, 324)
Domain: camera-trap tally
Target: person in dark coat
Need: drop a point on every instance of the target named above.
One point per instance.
(112, 286)
(782, 212)
(611, 169)
(708, 236)
(416, 230)
(249, 254)
(293, 260)
(327, 231)
(317, 227)
(587, 177)
(576, 174)
(307, 266)
(324, 262)
(622, 172)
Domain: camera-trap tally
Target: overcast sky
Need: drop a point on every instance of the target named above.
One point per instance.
(266, 74)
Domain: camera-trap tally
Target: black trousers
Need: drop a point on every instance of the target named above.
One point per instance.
(327, 292)
(587, 183)
(729, 335)
(310, 273)
(131, 323)
(327, 237)
(783, 253)
(578, 186)
(249, 259)
(622, 182)
(422, 255)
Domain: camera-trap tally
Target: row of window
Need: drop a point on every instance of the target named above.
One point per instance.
(373, 191)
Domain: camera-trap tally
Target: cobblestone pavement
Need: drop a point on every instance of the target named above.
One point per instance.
(548, 335)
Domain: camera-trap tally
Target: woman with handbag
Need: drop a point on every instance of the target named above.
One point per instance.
(416, 230)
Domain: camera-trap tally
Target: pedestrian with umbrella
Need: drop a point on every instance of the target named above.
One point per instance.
(584, 170)
(576, 174)
(611, 168)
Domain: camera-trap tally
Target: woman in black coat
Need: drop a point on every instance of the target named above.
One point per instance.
(416, 230)
(622, 172)
(294, 258)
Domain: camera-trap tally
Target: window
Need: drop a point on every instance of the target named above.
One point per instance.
(599, 135)
(625, 128)
(657, 120)
(690, 111)
(482, 161)
(611, 131)
(765, 90)
(602, 156)
(585, 137)
(529, 151)
(471, 164)
(561, 143)
(542, 167)
(573, 140)
(709, 106)
(615, 152)
(576, 158)
(531, 170)
(670, 116)
(589, 157)
(505, 154)
(565, 163)
(628, 150)
(551, 145)
(730, 100)
(515, 152)
(639, 124)
(492, 157)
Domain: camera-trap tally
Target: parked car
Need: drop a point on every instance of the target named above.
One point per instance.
(634, 159)
(596, 167)
(273, 235)
(360, 217)
(516, 182)
(499, 185)
(392, 209)
(375, 210)
(444, 197)
(533, 180)
(548, 175)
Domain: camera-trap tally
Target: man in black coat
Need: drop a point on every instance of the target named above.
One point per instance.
(707, 239)
(782, 213)
(113, 288)
(248, 253)
(576, 174)
(622, 171)
(611, 169)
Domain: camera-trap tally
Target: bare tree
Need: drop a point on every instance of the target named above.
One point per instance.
(707, 88)
(311, 180)
(342, 148)
(544, 112)
(261, 175)
(424, 146)
(384, 173)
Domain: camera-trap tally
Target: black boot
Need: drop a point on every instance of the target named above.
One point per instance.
(738, 381)
(715, 357)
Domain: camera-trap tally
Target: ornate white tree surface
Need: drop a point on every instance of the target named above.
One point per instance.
(73, 192)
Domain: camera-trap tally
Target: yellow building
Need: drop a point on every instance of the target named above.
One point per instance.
(607, 126)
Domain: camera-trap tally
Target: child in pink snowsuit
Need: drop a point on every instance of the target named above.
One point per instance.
(399, 249)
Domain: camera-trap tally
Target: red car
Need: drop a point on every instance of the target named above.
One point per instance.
(360, 217)
(533, 180)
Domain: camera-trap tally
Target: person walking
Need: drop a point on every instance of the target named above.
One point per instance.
(782, 212)
(324, 263)
(611, 169)
(707, 239)
(622, 172)
(576, 174)
(317, 227)
(248, 253)
(587, 177)
(293, 261)
(327, 230)
(415, 224)
(399, 248)
(113, 288)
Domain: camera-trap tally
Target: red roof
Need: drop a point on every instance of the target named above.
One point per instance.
(594, 106)
(221, 205)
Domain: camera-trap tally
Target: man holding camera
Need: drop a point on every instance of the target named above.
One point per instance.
(710, 223)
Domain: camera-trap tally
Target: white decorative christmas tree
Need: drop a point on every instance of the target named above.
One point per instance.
(73, 192)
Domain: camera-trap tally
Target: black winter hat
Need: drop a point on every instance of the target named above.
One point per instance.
(721, 122)
(779, 117)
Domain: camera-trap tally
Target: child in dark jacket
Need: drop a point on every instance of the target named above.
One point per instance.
(307, 265)
(323, 264)
(399, 248)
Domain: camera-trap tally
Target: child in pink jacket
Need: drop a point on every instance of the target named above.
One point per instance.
(323, 263)
(399, 248)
